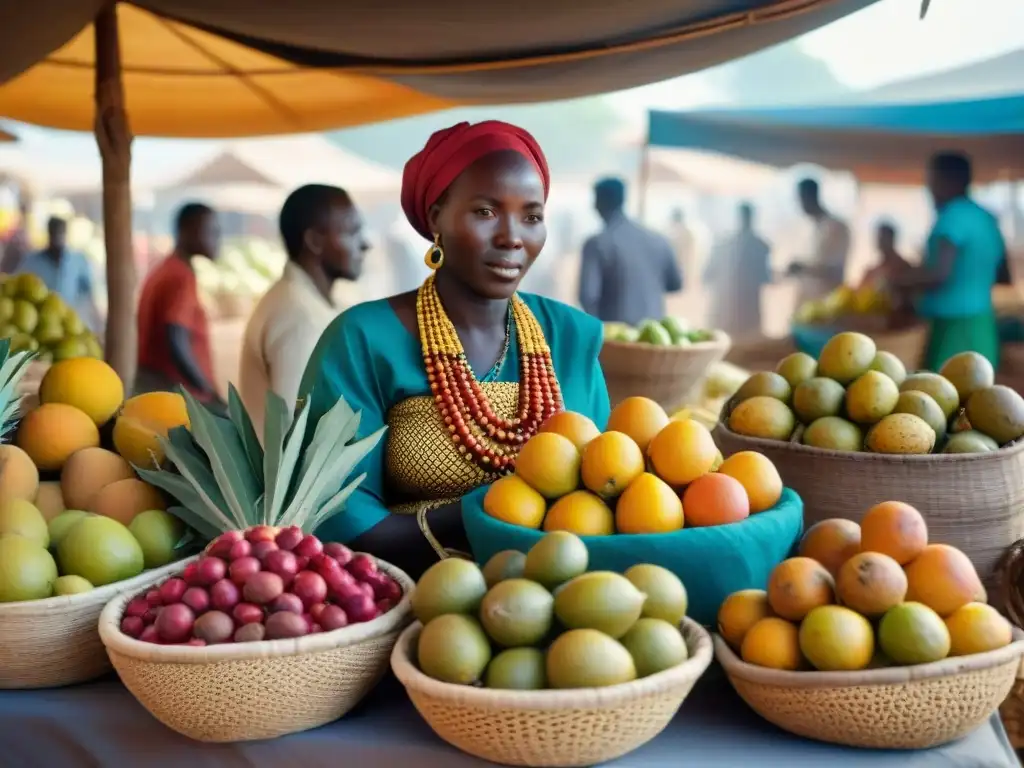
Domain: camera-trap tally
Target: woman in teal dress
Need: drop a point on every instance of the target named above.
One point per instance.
(463, 370)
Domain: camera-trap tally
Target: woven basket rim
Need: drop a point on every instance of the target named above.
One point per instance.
(698, 643)
(761, 444)
(719, 339)
(98, 596)
(948, 667)
(115, 640)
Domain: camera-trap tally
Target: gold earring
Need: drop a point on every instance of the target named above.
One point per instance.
(434, 257)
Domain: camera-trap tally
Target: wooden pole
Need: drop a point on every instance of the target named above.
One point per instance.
(114, 138)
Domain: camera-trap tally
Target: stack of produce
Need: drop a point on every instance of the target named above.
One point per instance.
(540, 620)
(37, 320)
(844, 301)
(644, 474)
(265, 583)
(865, 596)
(667, 332)
(855, 398)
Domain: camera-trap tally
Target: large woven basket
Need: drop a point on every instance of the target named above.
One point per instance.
(759, 354)
(1011, 598)
(247, 691)
(52, 642)
(893, 708)
(974, 501)
(666, 375)
(552, 728)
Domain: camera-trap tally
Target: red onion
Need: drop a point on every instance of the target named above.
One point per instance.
(284, 625)
(190, 574)
(174, 624)
(196, 598)
(333, 617)
(224, 595)
(289, 538)
(261, 588)
(153, 598)
(261, 549)
(242, 568)
(261, 533)
(283, 563)
(196, 642)
(339, 552)
(210, 570)
(247, 613)
(286, 602)
(240, 549)
(309, 546)
(137, 607)
(316, 609)
(132, 625)
(214, 627)
(310, 588)
(149, 635)
(383, 606)
(359, 608)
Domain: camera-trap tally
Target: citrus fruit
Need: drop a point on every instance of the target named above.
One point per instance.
(648, 505)
(99, 401)
(507, 564)
(758, 476)
(52, 432)
(977, 628)
(655, 646)
(21, 517)
(27, 570)
(871, 583)
(600, 600)
(836, 639)
(513, 501)
(639, 417)
(894, 529)
(943, 578)
(100, 550)
(452, 585)
(517, 669)
(586, 658)
(575, 426)
(666, 595)
(453, 649)
(517, 612)
(582, 513)
(797, 585)
(831, 542)
(715, 499)
(912, 633)
(550, 464)
(556, 558)
(71, 585)
(62, 523)
(774, 643)
(158, 532)
(611, 462)
(739, 612)
(682, 452)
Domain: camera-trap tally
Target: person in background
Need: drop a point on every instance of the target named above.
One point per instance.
(737, 270)
(825, 268)
(174, 332)
(325, 240)
(16, 247)
(961, 263)
(65, 272)
(627, 269)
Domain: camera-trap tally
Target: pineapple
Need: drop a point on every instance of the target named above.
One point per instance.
(225, 480)
(12, 370)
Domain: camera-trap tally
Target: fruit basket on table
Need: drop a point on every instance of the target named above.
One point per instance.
(845, 440)
(660, 360)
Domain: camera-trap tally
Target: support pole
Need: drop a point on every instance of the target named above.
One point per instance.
(114, 139)
(645, 172)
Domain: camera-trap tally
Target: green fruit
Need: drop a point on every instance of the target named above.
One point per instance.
(6, 309)
(765, 384)
(71, 585)
(454, 649)
(997, 412)
(517, 669)
(666, 595)
(92, 346)
(62, 523)
(940, 388)
(925, 408)
(27, 570)
(762, 416)
(600, 600)
(100, 550)
(10, 288)
(912, 633)
(53, 306)
(22, 342)
(49, 331)
(871, 397)
(31, 287)
(157, 532)
(890, 365)
(21, 518)
(71, 348)
(834, 433)
(517, 612)
(73, 325)
(846, 356)
(26, 316)
(555, 559)
(816, 398)
(655, 646)
(971, 441)
(507, 564)
(586, 658)
(653, 332)
(797, 368)
(449, 586)
(969, 372)
(678, 329)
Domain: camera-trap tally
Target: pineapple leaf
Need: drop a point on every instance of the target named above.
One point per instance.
(227, 459)
(193, 467)
(275, 427)
(286, 467)
(242, 422)
(180, 488)
(334, 505)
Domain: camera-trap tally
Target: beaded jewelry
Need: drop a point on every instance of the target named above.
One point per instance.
(480, 435)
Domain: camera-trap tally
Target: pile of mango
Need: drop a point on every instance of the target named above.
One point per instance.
(670, 331)
(843, 301)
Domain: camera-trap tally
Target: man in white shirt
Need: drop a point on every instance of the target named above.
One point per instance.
(323, 234)
(825, 269)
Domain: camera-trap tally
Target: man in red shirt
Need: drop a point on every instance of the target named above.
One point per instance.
(174, 334)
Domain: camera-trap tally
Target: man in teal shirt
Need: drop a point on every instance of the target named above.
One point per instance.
(964, 254)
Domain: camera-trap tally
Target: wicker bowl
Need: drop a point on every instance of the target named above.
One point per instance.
(666, 375)
(53, 642)
(247, 691)
(552, 728)
(894, 708)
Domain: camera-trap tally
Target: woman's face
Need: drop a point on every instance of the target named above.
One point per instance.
(491, 222)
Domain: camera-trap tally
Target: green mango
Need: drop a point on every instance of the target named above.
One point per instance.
(677, 328)
(653, 332)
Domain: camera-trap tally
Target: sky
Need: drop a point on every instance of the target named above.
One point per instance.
(884, 42)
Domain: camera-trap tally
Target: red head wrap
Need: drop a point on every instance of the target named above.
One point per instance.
(451, 151)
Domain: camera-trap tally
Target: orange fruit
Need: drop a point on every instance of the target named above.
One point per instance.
(582, 513)
(894, 529)
(715, 499)
(639, 417)
(757, 475)
(871, 583)
(52, 432)
(575, 426)
(977, 628)
(683, 451)
(798, 585)
(739, 612)
(831, 542)
(836, 639)
(512, 500)
(611, 461)
(648, 505)
(773, 642)
(550, 464)
(943, 578)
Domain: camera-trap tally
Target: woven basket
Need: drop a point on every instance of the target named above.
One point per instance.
(761, 354)
(554, 727)
(247, 691)
(666, 375)
(895, 708)
(1011, 597)
(52, 642)
(974, 501)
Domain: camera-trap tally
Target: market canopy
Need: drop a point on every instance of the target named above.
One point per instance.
(216, 69)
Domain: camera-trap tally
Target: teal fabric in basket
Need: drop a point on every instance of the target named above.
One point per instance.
(712, 562)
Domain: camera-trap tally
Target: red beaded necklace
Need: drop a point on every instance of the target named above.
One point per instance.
(479, 433)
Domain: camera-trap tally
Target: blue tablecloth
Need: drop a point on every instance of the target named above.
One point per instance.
(99, 725)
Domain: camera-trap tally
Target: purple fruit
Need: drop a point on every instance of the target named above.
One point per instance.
(289, 538)
(359, 608)
(174, 624)
(310, 588)
(283, 563)
(261, 588)
(261, 549)
(242, 568)
(225, 595)
(309, 546)
(196, 598)
(286, 602)
(247, 613)
(132, 626)
(239, 550)
(286, 624)
(210, 570)
(137, 607)
(362, 565)
(214, 627)
(333, 617)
